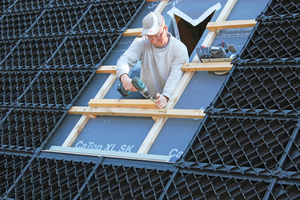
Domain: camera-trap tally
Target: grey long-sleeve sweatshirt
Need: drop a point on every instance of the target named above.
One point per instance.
(160, 67)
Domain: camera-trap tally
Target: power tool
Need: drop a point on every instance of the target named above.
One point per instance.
(139, 85)
(216, 51)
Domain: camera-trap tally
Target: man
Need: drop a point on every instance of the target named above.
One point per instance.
(161, 56)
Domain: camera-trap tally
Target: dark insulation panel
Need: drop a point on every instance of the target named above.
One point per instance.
(241, 142)
(27, 129)
(204, 186)
(83, 51)
(15, 25)
(278, 9)
(31, 53)
(272, 42)
(121, 182)
(57, 21)
(271, 90)
(11, 167)
(52, 179)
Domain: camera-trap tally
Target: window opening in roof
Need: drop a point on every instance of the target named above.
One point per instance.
(189, 34)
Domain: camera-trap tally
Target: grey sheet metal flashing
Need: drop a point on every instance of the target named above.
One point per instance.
(175, 11)
(81, 151)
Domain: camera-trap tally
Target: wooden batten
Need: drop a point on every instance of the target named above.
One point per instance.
(133, 32)
(124, 103)
(137, 112)
(107, 69)
(213, 26)
(209, 66)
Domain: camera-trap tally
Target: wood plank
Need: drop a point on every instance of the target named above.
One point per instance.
(153, 133)
(75, 131)
(226, 10)
(107, 69)
(185, 67)
(210, 66)
(137, 112)
(133, 32)
(213, 26)
(161, 6)
(124, 103)
(144, 148)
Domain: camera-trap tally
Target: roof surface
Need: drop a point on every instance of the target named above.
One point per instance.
(246, 146)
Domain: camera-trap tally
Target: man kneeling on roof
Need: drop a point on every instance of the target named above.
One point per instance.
(161, 57)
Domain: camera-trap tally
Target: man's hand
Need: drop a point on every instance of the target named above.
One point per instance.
(161, 101)
(127, 83)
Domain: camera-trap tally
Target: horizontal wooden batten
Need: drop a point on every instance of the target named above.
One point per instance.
(125, 103)
(213, 26)
(205, 66)
(209, 66)
(138, 112)
(133, 32)
(107, 69)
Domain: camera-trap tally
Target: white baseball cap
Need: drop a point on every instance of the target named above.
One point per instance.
(152, 23)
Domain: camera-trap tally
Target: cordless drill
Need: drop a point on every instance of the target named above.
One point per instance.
(139, 85)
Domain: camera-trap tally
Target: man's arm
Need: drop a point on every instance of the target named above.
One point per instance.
(130, 57)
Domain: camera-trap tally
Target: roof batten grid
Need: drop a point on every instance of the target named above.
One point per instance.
(183, 83)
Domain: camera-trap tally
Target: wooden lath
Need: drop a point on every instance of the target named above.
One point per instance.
(213, 26)
(138, 112)
(209, 66)
(133, 32)
(205, 66)
(107, 69)
(124, 103)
